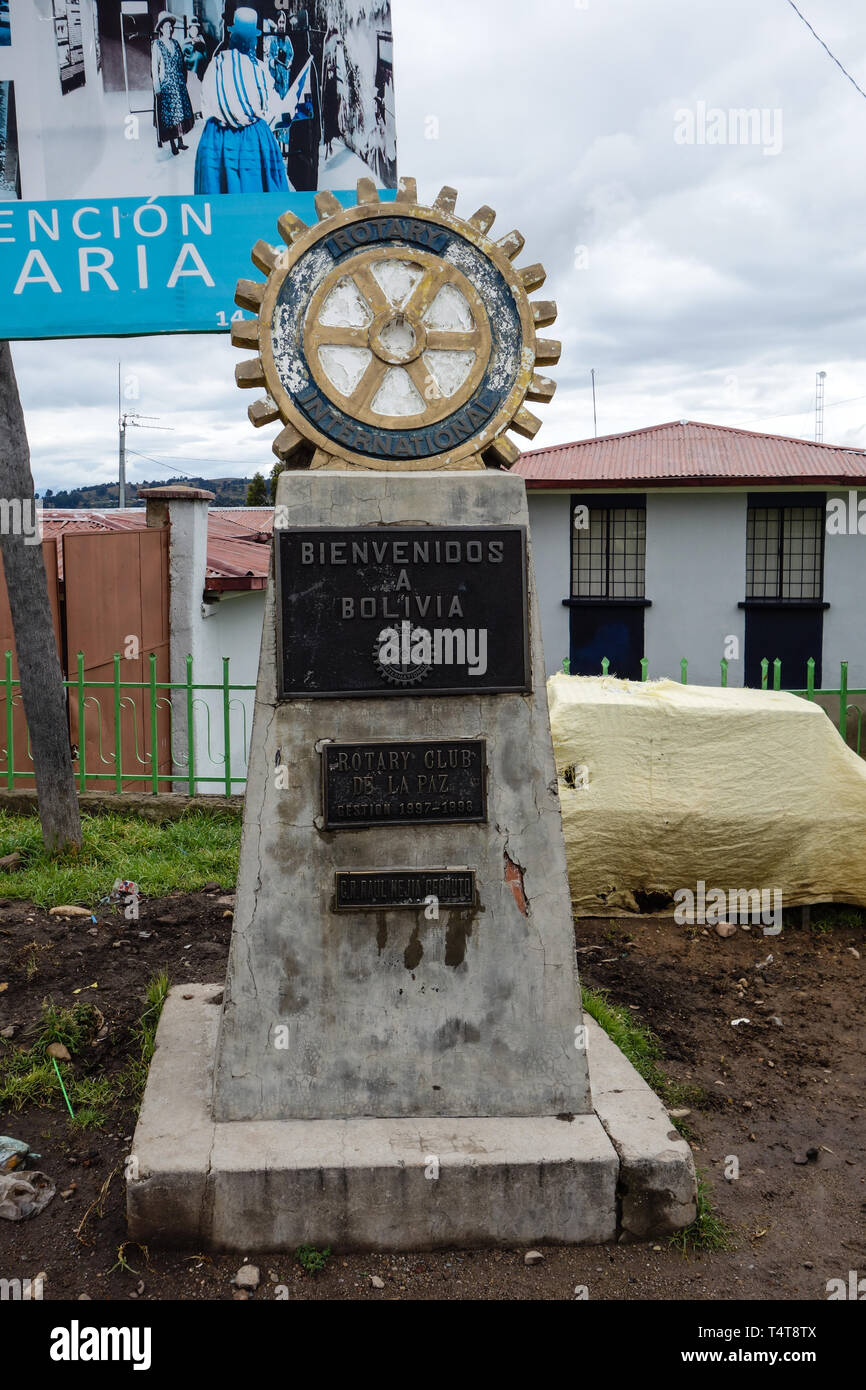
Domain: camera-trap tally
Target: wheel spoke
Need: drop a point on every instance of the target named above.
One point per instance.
(370, 290)
(426, 290)
(424, 381)
(449, 340)
(369, 384)
(327, 335)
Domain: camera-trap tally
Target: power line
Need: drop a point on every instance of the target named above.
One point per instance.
(853, 82)
(796, 414)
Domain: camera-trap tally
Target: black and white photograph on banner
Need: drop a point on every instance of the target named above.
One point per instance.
(202, 96)
(10, 184)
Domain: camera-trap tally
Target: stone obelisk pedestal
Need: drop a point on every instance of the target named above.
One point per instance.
(399, 1058)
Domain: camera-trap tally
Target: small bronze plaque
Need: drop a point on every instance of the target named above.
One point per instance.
(383, 890)
(413, 782)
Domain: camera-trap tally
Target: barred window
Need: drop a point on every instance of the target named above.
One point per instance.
(608, 559)
(785, 553)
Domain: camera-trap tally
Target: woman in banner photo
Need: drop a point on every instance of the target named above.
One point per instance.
(333, 89)
(172, 114)
(280, 53)
(237, 152)
(194, 58)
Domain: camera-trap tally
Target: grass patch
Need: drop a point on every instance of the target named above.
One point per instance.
(28, 1076)
(311, 1260)
(828, 917)
(643, 1050)
(160, 857)
(707, 1232)
(135, 1076)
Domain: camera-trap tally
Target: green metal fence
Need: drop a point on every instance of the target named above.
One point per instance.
(843, 692)
(118, 713)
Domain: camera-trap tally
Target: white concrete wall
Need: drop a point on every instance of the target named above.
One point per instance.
(231, 628)
(549, 526)
(695, 577)
(845, 591)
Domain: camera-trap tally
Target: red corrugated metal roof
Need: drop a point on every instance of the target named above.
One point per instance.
(238, 539)
(686, 453)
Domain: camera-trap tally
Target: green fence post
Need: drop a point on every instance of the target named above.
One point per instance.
(154, 732)
(190, 728)
(765, 672)
(644, 669)
(118, 770)
(777, 674)
(566, 666)
(843, 701)
(82, 771)
(228, 742)
(605, 665)
(724, 673)
(10, 774)
(684, 671)
(810, 678)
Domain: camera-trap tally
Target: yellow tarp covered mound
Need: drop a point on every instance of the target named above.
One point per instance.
(664, 786)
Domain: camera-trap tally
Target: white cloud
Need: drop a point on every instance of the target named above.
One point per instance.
(719, 279)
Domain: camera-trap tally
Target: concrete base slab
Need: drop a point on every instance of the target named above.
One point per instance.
(382, 1184)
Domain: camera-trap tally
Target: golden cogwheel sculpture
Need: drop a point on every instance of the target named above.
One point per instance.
(395, 336)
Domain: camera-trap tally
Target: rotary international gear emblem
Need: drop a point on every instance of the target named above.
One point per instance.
(395, 336)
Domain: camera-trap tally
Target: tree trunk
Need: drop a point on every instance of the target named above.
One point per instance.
(39, 669)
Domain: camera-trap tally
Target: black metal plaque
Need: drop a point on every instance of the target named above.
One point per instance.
(402, 611)
(384, 890)
(404, 783)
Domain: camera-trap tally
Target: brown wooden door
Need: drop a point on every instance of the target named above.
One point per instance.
(117, 588)
(21, 759)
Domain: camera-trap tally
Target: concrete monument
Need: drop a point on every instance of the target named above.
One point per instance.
(399, 1057)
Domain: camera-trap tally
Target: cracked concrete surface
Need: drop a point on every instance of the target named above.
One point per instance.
(486, 1032)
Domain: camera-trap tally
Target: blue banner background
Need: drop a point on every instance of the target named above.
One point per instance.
(171, 275)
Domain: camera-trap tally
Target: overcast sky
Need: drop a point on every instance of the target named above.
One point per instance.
(701, 281)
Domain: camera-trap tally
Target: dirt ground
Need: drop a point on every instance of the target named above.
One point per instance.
(770, 1094)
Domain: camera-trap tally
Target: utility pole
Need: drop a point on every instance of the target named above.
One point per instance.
(594, 415)
(121, 463)
(819, 407)
(124, 421)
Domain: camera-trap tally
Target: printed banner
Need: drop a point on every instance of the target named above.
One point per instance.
(144, 149)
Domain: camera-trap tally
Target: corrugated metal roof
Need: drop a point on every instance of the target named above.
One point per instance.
(688, 453)
(238, 539)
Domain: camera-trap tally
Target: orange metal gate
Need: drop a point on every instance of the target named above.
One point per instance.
(114, 598)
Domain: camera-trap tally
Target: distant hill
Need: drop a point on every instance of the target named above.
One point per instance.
(229, 492)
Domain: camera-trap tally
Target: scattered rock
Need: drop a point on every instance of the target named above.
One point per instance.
(211, 888)
(807, 1264)
(228, 913)
(533, 1257)
(247, 1277)
(679, 1114)
(812, 1155)
(774, 1018)
(92, 931)
(852, 951)
(240, 1295)
(11, 861)
(70, 1191)
(8, 1032)
(84, 1298)
(726, 929)
(227, 901)
(69, 910)
(59, 1051)
(377, 1282)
